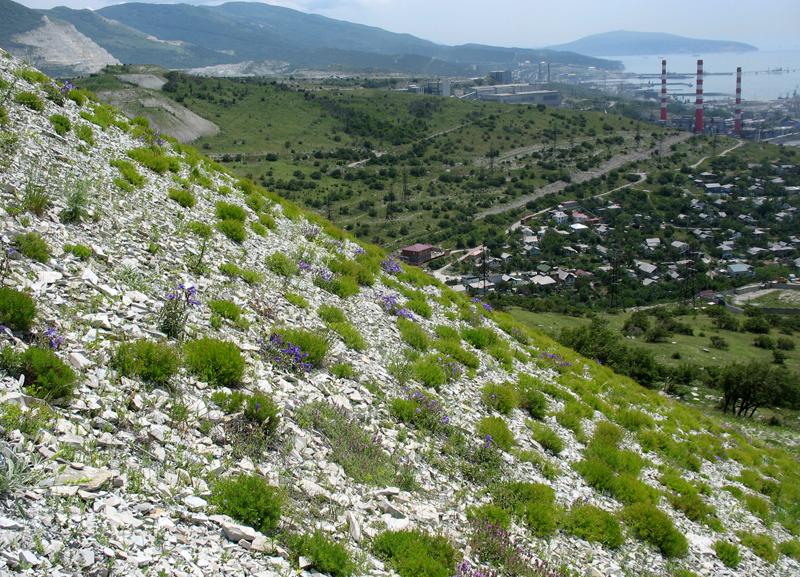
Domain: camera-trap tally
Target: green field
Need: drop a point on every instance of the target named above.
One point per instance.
(785, 299)
(432, 162)
(695, 349)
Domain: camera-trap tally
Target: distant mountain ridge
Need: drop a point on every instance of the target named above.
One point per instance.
(187, 36)
(627, 43)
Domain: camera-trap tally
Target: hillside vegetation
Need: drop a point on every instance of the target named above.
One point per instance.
(396, 168)
(201, 377)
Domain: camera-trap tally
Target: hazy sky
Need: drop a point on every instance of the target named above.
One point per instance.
(768, 24)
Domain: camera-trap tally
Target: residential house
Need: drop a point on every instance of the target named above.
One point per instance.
(739, 269)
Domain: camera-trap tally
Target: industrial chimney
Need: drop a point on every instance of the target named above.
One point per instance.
(737, 113)
(699, 126)
(664, 91)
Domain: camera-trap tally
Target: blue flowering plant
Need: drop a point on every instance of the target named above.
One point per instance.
(393, 307)
(485, 306)
(175, 313)
(421, 410)
(553, 360)
(286, 355)
(51, 339)
(391, 266)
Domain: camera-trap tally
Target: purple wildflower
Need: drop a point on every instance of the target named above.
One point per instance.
(391, 266)
(304, 266)
(54, 340)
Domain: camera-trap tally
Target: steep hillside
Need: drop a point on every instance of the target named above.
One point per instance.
(627, 43)
(213, 382)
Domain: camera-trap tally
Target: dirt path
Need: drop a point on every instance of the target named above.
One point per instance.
(583, 176)
(723, 153)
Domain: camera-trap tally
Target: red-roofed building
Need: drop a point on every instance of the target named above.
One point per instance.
(417, 253)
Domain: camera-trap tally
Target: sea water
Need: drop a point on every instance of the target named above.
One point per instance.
(760, 77)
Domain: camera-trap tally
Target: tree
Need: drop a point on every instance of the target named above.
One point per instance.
(746, 387)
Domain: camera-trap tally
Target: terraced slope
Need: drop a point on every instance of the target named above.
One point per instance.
(200, 379)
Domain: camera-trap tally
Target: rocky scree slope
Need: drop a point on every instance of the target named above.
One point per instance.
(215, 383)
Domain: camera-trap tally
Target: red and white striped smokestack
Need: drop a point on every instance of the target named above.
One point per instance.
(699, 126)
(737, 113)
(663, 90)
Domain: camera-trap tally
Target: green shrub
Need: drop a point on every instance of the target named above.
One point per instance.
(480, 337)
(200, 229)
(80, 251)
(499, 397)
(447, 333)
(155, 159)
(31, 75)
(154, 363)
(230, 211)
(341, 286)
(534, 503)
(350, 336)
(728, 553)
(311, 343)
(324, 555)
(456, 351)
(430, 372)
(693, 506)
(85, 133)
(790, 548)
(36, 199)
(413, 553)
(217, 362)
(61, 124)
(46, 376)
(490, 513)
(413, 334)
(653, 526)
(343, 371)
(250, 500)
(546, 437)
(761, 545)
(30, 422)
(495, 430)
(29, 100)
(331, 314)
(531, 399)
(226, 309)
(33, 246)
(594, 524)
(757, 506)
(183, 197)
(419, 305)
(233, 229)
(296, 300)
(633, 419)
(282, 265)
(17, 310)
(257, 408)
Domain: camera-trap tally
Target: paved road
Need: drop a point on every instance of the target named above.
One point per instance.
(578, 177)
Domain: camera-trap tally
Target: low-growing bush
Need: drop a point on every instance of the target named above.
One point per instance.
(496, 431)
(297, 300)
(761, 545)
(85, 133)
(80, 251)
(282, 265)
(323, 554)
(342, 286)
(430, 371)
(343, 371)
(413, 553)
(728, 553)
(480, 337)
(226, 309)
(183, 197)
(500, 397)
(250, 500)
(33, 246)
(758, 507)
(17, 310)
(152, 362)
(230, 211)
(453, 349)
(633, 419)
(790, 548)
(350, 336)
(412, 334)
(46, 376)
(155, 159)
(331, 314)
(217, 362)
(29, 100)
(531, 399)
(490, 513)
(594, 524)
(233, 229)
(421, 410)
(257, 408)
(653, 526)
(312, 346)
(533, 503)
(249, 276)
(546, 437)
(61, 124)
